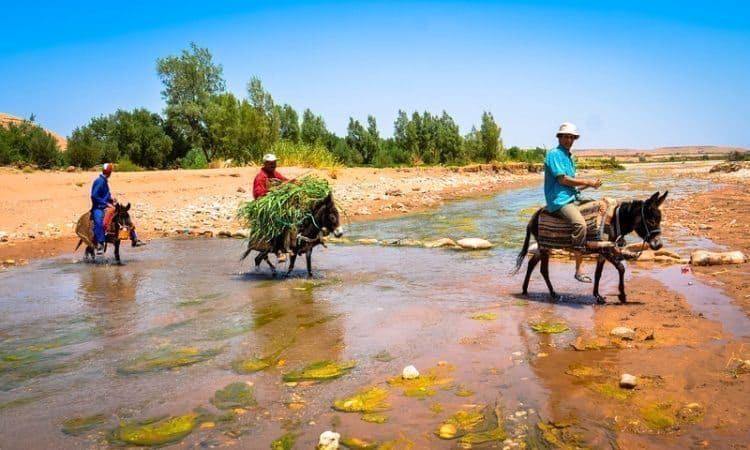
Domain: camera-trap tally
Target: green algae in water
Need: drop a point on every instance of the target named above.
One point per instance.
(322, 320)
(485, 316)
(460, 423)
(437, 408)
(384, 356)
(463, 392)
(497, 434)
(521, 303)
(320, 370)
(166, 359)
(267, 314)
(422, 391)
(80, 425)
(611, 391)
(420, 386)
(581, 371)
(251, 365)
(659, 416)
(375, 418)
(235, 395)
(354, 443)
(285, 442)
(154, 432)
(549, 328)
(366, 401)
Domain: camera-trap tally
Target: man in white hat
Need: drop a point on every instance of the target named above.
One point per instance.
(562, 189)
(261, 186)
(262, 182)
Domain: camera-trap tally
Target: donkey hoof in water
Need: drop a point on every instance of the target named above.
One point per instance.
(623, 298)
(600, 300)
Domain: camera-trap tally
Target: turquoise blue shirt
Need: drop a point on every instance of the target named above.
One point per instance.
(558, 162)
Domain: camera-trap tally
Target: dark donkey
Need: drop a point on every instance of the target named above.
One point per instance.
(643, 217)
(120, 222)
(322, 219)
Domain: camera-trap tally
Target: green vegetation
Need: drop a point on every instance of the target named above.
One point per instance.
(154, 432)
(321, 370)
(548, 327)
(235, 395)
(282, 208)
(366, 401)
(27, 143)
(202, 122)
(166, 359)
(80, 425)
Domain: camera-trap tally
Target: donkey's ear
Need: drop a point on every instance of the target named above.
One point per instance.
(654, 198)
(127, 207)
(661, 199)
(329, 197)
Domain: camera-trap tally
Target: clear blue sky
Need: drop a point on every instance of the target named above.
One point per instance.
(635, 74)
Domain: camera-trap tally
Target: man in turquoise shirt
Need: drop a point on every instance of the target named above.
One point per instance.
(562, 188)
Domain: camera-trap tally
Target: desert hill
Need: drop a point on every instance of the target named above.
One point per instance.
(6, 119)
(660, 153)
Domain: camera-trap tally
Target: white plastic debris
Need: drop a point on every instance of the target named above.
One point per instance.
(409, 373)
(329, 440)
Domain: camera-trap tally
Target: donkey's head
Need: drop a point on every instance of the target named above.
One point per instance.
(327, 217)
(648, 225)
(122, 217)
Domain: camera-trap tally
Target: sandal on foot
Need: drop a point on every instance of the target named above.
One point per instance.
(583, 278)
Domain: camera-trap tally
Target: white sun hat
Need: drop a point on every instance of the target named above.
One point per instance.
(568, 128)
(270, 157)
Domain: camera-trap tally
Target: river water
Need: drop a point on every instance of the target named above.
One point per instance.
(72, 332)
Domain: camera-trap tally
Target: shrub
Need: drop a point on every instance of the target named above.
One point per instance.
(126, 165)
(195, 159)
(304, 155)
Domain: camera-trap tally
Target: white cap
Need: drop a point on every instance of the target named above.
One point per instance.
(270, 157)
(568, 128)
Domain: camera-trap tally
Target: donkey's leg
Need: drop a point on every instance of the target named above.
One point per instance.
(597, 277)
(116, 243)
(530, 268)
(308, 260)
(545, 273)
(617, 262)
(89, 253)
(292, 260)
(259, 259)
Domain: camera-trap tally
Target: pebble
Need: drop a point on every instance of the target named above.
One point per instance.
(628, 381)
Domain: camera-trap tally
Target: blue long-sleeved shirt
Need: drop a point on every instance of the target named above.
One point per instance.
(100, 196)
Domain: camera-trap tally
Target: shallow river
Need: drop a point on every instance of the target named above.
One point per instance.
(72, 333)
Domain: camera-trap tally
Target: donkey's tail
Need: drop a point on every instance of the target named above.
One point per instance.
(247, 252)
(525, 249)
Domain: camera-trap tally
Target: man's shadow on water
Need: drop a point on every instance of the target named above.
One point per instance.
(572, 300)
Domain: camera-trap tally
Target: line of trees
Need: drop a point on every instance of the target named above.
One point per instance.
(202, 122)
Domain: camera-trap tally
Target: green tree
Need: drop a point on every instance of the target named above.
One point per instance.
(289, 121)
(262, 101)
(190, 81)
(449, 140)
(313, 129)
(489, 136)
(140, 136)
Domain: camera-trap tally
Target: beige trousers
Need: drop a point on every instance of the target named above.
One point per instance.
(571, 214)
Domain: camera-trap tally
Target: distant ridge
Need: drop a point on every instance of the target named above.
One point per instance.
(658, 153)
(7, 119)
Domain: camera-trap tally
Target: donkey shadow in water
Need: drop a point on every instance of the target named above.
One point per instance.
(120, 222)
(640, 216)
(320, 221)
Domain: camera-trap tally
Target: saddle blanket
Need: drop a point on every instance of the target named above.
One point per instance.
(555, 232)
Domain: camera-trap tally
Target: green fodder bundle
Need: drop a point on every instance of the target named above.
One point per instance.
(283, 207)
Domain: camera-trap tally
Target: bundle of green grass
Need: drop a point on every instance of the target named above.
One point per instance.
(284, 206)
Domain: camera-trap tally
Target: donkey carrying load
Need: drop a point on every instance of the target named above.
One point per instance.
(607, 225)
(292, 218)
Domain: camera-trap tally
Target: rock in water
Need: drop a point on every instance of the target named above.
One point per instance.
(627, 381)
(474, 243)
